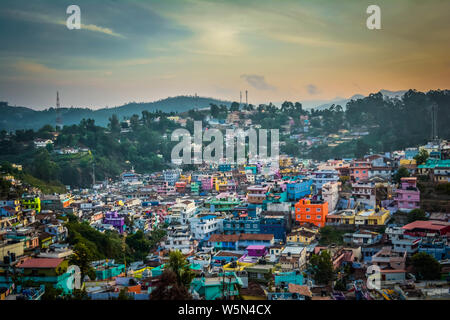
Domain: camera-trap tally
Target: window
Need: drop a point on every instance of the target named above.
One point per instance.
(318, 210)
(308, 209)
(364, 171)
(308, 217)
(319, 217)
(357, 171)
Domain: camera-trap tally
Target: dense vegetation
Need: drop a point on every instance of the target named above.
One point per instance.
(110, 151)
(110, 244)
(14, 118)
(144, 141)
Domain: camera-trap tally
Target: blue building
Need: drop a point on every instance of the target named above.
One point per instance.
(438, 249)
(241, 225)
(275, 225)
(253, 210)
(410, 153)
(295, 277)
(299, 189)
(253, 169)
(224, 167)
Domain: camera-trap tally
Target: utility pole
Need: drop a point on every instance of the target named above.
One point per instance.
(434, 127)
(93, 174)
(58, 113)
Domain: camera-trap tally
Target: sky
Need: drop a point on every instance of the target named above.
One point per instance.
(278, 50)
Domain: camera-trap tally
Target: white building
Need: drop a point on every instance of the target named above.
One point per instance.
(330, 194)
(204, 227)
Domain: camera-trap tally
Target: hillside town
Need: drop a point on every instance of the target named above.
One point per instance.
(312, 230)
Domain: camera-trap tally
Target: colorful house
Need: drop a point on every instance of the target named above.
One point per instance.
(311, 211)
(53, 271)
(31, 202)
(113, 218)
(108, 269)
(195, 188)
(408, 195)
(359, 170)
(224, 286)
(299, 189)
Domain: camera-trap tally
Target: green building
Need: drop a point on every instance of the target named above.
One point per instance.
(226, 285)
(31, 202)
(195, 188)
(52, 271)
(108, 269)
(216, 205)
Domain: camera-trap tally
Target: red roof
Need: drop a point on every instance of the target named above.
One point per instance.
(41, 263)
(302, 290)
(430, 225)
(242, 236)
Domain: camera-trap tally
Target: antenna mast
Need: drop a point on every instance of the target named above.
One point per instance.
(434, 127)
(58, 113)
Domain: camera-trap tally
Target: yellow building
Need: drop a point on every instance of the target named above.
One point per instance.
(376, 216)
(285, 162)
(237, 266)
(185, 178)
(302, 236)
(31, 202)
(220, 183)
(407, 162)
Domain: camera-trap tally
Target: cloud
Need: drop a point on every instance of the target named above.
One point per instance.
(312, 89)
(44, 18)
(257, 82)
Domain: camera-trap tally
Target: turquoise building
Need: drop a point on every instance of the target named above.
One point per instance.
(225, 285)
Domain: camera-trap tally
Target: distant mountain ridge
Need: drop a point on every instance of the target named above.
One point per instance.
(14, 118)
(321, 105)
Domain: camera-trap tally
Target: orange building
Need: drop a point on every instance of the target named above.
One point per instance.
(311, 211)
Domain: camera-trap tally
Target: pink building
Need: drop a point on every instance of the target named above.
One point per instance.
(359, 170)
(407, 196)
(207, 183)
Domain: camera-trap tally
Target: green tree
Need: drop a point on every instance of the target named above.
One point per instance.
(401, 173)
(114, 124)
(139, 245)
(426, 266)
(214, 109)
(168, 288)
(421, 157)
(362, 148)
(82, 257)
(329, 235)
(416, 214)
(51, 293)
(321, 267)
(181, 267)
(234, 106)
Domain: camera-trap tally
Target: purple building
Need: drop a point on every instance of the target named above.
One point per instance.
(113, 218)
(254, 253)
(408, 195)
(207, 183)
